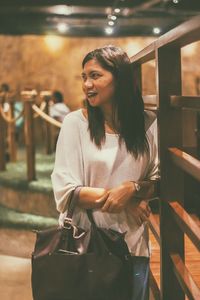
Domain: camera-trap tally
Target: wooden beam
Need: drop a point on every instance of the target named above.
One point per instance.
(168, 62)
(184, 277)
(153, 225)
(185, 101)
(186, 223)
(154, 287)
(186, 162)
(147, 54)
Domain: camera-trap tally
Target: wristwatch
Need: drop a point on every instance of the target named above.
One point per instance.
(137, 186)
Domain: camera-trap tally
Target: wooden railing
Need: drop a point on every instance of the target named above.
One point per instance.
(175, 280)
(29, 112)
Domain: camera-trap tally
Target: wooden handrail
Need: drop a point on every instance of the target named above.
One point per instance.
(186, 223)
(153, 225)
(186, 162)
(46, 117)
(185, 101)
(182, 35)
(145, 55)
(154, 287)
(184, 277)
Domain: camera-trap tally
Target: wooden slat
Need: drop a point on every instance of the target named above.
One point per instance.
(154, 287)
(184, 34)
(186, 162)
(185, 279)
(185, 102)
(147, 54)
(150, 107)
(186, 223)
(150, 99)
(153, 225)
(150, 102)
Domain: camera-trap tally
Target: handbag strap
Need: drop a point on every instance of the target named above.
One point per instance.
(90, 217)
(73, 199)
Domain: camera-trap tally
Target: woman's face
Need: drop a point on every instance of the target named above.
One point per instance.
(98, 84)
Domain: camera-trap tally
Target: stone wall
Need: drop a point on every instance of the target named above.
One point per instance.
(45, 62)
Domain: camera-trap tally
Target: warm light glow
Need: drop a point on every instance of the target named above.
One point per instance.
(62, 27)
(133, 47)
(108, 30)
(62, 9)
(54, 43)
(189, 50)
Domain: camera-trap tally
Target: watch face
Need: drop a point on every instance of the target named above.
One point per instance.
(137, 187)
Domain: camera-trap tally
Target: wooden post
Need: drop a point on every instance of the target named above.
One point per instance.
(12, 146)
(29, 136)
(168, 72)
(2, 144)
(47, 127)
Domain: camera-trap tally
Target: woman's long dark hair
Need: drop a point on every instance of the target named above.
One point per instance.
(128, 106)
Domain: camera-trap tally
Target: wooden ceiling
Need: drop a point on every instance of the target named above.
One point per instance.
(91, 17)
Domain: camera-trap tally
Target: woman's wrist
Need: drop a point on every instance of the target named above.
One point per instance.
(131, 186)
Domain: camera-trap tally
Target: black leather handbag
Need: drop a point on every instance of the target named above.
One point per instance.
(63, 268)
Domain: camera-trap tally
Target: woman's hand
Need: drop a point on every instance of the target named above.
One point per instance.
(140, 210)
(118, 197)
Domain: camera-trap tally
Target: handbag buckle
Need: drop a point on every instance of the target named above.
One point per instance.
(67, 223)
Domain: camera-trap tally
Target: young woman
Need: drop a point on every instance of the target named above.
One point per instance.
(110, 149)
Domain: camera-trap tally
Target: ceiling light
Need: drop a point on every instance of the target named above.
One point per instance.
(62, 9)
(113, 18)
(156, 30)
(117, 10)
(175, 1)
(108, 30)
(111, 23)
(62, 27)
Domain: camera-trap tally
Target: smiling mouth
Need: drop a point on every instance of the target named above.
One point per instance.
(91, 94)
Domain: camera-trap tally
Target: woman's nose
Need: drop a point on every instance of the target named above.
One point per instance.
(88, 83)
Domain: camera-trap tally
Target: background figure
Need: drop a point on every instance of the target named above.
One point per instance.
(10, 96)
(58, 110)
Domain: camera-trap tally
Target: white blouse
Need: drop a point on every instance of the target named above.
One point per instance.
(79, 162)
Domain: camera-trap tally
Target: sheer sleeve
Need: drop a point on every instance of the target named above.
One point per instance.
(153, 170)
(68, 169)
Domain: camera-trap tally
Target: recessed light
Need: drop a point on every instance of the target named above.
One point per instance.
(111, 23)
(156, 30)
(117, 10)
(62, 27)
(113, 18)
(108, 30)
